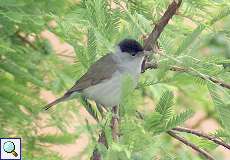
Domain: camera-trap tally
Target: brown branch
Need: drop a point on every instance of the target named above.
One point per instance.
(203, 135)
(220, 82)
(150, 43)
(193, 146)
(154, 35)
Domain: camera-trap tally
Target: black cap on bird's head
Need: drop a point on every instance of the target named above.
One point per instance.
(131, 46)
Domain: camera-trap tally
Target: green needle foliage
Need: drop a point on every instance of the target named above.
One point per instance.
(197, 39)
(163, 118)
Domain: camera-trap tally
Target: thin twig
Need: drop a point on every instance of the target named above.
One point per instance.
(149, 65)
(197, 133)
(203, 135)
(193, 146)
(220, 82)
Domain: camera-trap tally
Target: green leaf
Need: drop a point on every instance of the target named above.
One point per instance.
(190, 39)
(118, 151)
(164, 106)
(17, 17)
(20, 73)
(193, 36)
(127, 102)
(222, 105)
(155, 123)
(179, 119)
(224, 134)
(92, 46)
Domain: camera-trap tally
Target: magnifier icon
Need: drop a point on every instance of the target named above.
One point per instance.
(9, 147)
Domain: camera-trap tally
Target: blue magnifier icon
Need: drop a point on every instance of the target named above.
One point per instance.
(9, 147)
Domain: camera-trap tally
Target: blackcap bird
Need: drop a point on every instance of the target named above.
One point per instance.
(103, 80)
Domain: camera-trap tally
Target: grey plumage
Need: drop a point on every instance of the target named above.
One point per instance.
(98, 72)
(103, 80)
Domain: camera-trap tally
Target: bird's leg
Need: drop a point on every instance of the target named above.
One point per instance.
(115, 123)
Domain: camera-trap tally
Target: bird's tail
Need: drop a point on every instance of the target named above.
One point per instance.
(61, 99)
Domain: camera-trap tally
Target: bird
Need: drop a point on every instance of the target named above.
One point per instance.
(103, 80)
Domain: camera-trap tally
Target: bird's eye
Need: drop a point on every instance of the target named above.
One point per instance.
(133, 54)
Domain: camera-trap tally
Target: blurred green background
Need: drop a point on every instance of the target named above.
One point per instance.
(46, 45)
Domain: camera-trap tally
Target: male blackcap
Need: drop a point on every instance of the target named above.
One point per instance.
(103, 80)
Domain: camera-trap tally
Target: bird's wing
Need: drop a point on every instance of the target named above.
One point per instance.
(99, 71)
